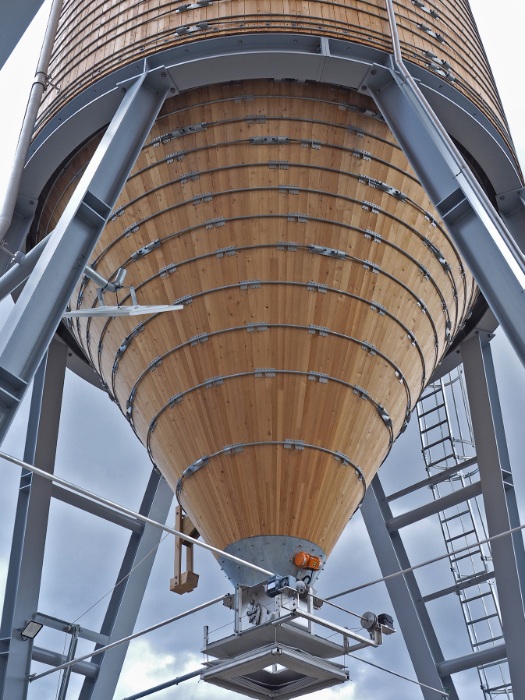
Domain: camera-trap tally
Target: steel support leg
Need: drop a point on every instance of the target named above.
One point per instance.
(29, 536)
(411, 614)
(126, 599)
(499, 499)
(37, 313)
(491, 252)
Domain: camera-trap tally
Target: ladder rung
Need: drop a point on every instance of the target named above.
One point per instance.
(458, 537)
(462, 583)
(431, 410)
(501, 662)
(431, 427)
(482, 619)
(465, 556)
(498, 688)
(456, 515)
(438, 461)
(475, 578)
(487, 641)
(479, 596)
(437, 442)
(428, 393)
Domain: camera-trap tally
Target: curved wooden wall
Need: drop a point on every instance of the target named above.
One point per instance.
(95, 38)
(320, 291)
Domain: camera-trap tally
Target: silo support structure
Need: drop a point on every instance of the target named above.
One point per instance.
(411, 613)
(499, 500)
(29, 535)
(37, 313)
(489, 249)
(126, 599)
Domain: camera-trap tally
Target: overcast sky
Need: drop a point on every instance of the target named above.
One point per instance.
(97, 449)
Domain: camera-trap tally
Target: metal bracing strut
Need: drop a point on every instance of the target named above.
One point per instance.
(27, 552)
(29, 535)
(491, 252)
(412, 616)
(501, 510)
(38, 311)
(449, 453)
(126, 599)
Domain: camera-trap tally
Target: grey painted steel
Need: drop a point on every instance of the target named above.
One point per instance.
(282, 55)
(470, 582)
(493, 256)
(7, 207)
(500, 507)
(29, 535)
(52, 658)
(411, 614)
(21, 269)
(37, 313)
(274, 552)
(163, 686)
(135, 635)
(16, 18)
(98, 509)
(434, 507)
(126, 599)
(478, 658)
(64, 682)
(64, 626)
(432, 480)
(127, 511)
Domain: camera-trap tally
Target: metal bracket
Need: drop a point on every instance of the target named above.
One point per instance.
(184, 581)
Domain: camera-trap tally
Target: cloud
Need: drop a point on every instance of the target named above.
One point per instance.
(145, 666)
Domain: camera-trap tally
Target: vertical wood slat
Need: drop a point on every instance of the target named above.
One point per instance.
(96, 38)
(346, 334)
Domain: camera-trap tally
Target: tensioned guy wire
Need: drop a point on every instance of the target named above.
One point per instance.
(441, 692)
(127, 511)
(507, 533)
(117, 643)
(132, 513)
(148, 554)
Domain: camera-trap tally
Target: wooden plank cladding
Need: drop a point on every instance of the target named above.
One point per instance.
(319, 288)
(96, 38)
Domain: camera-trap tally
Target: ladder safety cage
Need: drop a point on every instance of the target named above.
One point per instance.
(447, 443)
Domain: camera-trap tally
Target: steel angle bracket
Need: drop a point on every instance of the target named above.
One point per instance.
(37, 313)
(492, 252)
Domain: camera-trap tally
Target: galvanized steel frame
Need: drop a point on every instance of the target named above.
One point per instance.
(29, 331)
(29, 537)
(508, 553)
(313, 58)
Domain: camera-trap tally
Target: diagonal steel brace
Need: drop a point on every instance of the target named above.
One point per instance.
(489, 249)
(37, 313)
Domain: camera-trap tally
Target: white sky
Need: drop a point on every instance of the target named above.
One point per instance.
(117, 467)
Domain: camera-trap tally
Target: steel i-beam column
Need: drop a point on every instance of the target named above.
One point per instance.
(32, 322)
(418, 632)
(29, 535)
(499, 499)
(127, 596)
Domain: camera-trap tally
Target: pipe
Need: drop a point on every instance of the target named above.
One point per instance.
(125, 640)
(494, 226)
(21, 269)
(23, 266)
(168, 684)
(28, 125)
(127, 511)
